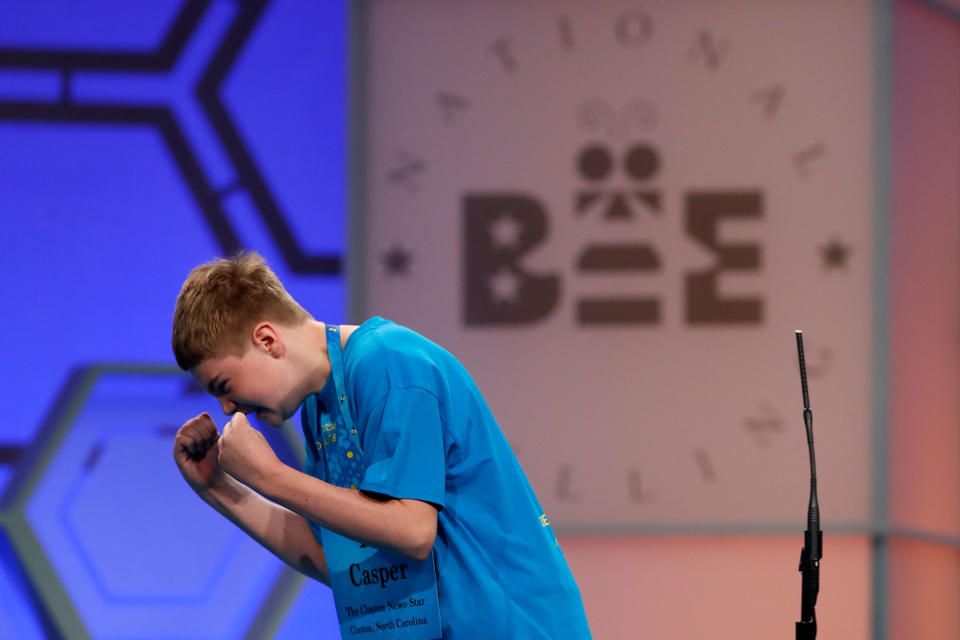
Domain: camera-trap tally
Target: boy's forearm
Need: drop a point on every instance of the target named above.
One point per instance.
(405, 526)
(281, 531)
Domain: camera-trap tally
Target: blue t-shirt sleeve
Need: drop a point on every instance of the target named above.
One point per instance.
(403, 447)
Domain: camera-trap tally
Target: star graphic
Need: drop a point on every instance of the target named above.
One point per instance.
(505, 231)
(397, 261)
(504, 285)
(835, 254)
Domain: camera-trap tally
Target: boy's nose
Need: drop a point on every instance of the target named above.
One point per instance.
(228, 406)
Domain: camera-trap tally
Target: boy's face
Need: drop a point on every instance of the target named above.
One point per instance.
(254, 382)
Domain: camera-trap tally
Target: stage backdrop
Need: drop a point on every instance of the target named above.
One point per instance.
(616, 215)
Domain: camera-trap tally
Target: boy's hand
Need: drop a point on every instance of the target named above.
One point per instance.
(196, 451)
(245, 453)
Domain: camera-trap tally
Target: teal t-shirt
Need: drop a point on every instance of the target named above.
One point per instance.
(427, 434)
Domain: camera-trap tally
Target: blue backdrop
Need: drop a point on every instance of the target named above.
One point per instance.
(138, 139)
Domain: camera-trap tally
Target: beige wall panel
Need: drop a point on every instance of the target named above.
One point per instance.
(925, 272)
(500, 136)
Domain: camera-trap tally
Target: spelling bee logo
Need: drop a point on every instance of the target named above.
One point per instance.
(611, 228)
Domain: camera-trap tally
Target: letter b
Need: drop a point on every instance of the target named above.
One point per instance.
(498, 230)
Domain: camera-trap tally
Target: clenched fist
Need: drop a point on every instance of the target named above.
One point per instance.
(246, 455)
(196, 451)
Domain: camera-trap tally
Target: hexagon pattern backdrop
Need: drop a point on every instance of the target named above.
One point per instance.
(136, 141)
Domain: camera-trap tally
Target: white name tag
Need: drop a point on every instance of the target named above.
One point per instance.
(380, 594)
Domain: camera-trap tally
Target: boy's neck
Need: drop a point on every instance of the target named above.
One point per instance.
(310, 344)
(311, 341)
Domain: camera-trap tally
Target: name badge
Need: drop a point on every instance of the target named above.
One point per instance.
(380, 594)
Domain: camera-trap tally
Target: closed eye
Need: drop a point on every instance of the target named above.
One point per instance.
(218, 388)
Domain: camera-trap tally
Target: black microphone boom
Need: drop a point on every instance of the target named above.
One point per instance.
(812, 550)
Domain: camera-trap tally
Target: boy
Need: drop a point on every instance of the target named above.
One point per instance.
(411, 504)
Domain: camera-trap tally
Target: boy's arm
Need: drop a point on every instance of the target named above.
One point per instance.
(281, 531)
(406, 526)
(287, 535)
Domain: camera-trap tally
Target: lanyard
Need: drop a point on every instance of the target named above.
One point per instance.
(377, 593)
(337, 439)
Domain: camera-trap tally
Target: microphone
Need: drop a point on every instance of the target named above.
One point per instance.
(812, 550)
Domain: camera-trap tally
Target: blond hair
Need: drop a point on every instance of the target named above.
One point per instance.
(221, 301)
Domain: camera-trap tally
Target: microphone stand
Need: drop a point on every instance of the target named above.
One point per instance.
(812, 550)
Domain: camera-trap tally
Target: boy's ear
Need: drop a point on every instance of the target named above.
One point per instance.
(265, 336)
